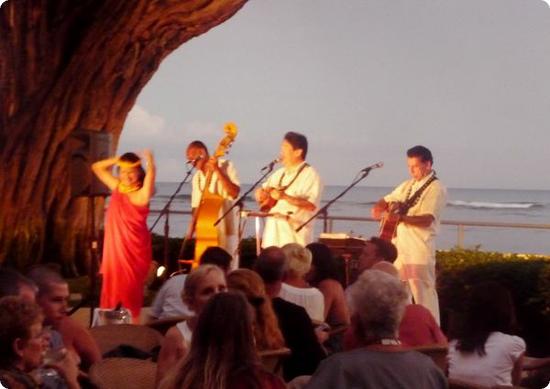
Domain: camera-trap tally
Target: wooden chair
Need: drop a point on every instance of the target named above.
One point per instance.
(272, 360)
(119, 373)
(437, 353)
(163, 325)
(109, 337)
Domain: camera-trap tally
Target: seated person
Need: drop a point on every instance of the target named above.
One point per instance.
(418, 326)
(168, 302)
(52, 296)
(22, 345)
(267, 334)
(295, 288)
(222, 352)
(377, 302)
(201, 284)
(295, 323)
(485, 352)
(13, 283)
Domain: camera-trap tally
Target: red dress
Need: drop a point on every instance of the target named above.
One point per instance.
(126, 254)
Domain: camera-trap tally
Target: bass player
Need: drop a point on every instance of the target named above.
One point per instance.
(224, 183)
(414, 207)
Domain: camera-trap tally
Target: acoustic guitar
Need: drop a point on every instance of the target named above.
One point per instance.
(208, 210)
(388, 224)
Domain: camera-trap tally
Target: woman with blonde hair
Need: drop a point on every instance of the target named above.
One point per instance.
(267, 334)
(295, 287)
(201, 284)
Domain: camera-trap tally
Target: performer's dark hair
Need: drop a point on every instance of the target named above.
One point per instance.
(420, 152)
(216, 256)
(297, 141)
(198, 145)
(490, 308)
(132, 158)
(385, 249)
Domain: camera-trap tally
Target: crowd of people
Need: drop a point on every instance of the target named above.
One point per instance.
(364, 335)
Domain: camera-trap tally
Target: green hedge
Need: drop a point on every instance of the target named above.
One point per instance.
(526, 276)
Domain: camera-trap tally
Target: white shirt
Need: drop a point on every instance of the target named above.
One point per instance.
(494, 368)
(311, 299)
(168, 302)
(416, 245)
(279, 231)
(227, 229)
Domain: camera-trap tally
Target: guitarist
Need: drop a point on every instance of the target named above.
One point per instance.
(290, 195)
(421, 200)
(224, 183)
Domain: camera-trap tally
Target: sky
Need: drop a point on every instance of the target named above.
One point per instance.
(364, 80)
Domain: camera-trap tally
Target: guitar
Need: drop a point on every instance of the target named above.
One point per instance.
(207, 212)
(269, 202)
(390, 220)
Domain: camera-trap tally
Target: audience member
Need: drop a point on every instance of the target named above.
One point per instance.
(13, 283)
(324, 276)
(52, 296)
(295, 288)
(377, 302)
(201, 284)
(222, 353)
(266, 328)
(294, 322)
(22, 345)
(485, 352)
(168, 301)
(374, 251)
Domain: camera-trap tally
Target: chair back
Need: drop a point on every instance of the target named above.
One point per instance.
(272, 360)
(110, 336)
(119, 373)
(437, 353)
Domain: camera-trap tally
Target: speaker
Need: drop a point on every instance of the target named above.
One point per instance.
(87, 147)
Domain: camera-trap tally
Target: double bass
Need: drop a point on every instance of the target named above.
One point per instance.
(208, 210)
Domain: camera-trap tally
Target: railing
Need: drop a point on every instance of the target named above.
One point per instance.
(328, 223)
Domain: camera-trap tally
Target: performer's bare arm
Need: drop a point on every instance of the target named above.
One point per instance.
(230, 187)
(103, 171)
(148, 189)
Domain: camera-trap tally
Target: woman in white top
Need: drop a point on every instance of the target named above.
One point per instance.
(201, 284)
(295, 288)
(486, 353)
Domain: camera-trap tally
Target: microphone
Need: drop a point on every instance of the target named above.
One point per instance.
(194, 161)
(271, 164)
(375, 166)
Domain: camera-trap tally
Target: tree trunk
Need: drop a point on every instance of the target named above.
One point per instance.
(66, 65)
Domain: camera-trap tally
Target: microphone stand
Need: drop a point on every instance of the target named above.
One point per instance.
(363, 173)
(166, 211)
(239, 201)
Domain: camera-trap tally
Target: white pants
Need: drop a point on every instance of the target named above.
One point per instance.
(421, 280)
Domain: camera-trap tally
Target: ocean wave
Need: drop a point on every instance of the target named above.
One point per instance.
(491, 205)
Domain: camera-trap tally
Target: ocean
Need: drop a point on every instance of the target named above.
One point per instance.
(479, 205)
